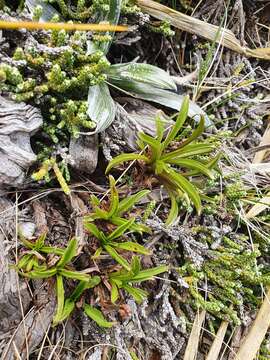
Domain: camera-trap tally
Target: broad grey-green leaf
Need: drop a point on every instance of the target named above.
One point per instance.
(113, 18)
(167, 98)
(48, 11)
(101, 107)
(141, 73)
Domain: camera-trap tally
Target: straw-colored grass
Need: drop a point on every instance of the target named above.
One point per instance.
(201, 28)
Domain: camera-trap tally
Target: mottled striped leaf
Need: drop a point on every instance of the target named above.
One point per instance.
(101, 107)
(48, 11)
(125, 75)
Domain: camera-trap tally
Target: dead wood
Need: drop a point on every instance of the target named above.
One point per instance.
(18, 122)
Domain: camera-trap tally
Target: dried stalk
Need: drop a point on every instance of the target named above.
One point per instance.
(217, 343)
(194, 338)
(255, 337)
(201, 28)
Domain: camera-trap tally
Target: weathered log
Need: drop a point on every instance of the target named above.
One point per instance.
(18, 122)
(84, 153)
(14, 295)
(33, 327)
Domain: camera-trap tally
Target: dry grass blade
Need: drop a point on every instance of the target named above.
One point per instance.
(254, 338)
(258, 158)
(200, 28)
(217, 343)
(194, 338)
(260, 207)
(32, 25)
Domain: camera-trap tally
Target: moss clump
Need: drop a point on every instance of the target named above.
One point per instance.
(232, 279)
(56, 76)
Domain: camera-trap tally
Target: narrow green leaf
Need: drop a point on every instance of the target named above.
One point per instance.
(187, 188)
(114, 197)
(159, 128)
(160, 167)
(118, 258)
(52, 250)
(187, 151)
(99, 214)
(131, 246)
(67, 310)
(140, 228)
(121, 276)
(138, 294)
(92, 228)
(173, 211)
(69, 253)
(94, 201)
(36, 274)
(60, 294)
(124, 157)
(97, 253)
(83, 285)
(154, 145)
(181, 118)
(28, 244)
(78, 291)
(40, 241)
(213, 162)
(24, 261)
(135, 265)
(120, 230)
(148, 274)
(75, 275)
(193, 164)
(196, 133)
(97, 316)
(133, 355)
(31, 264)
(114, 292)
(128, 202)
